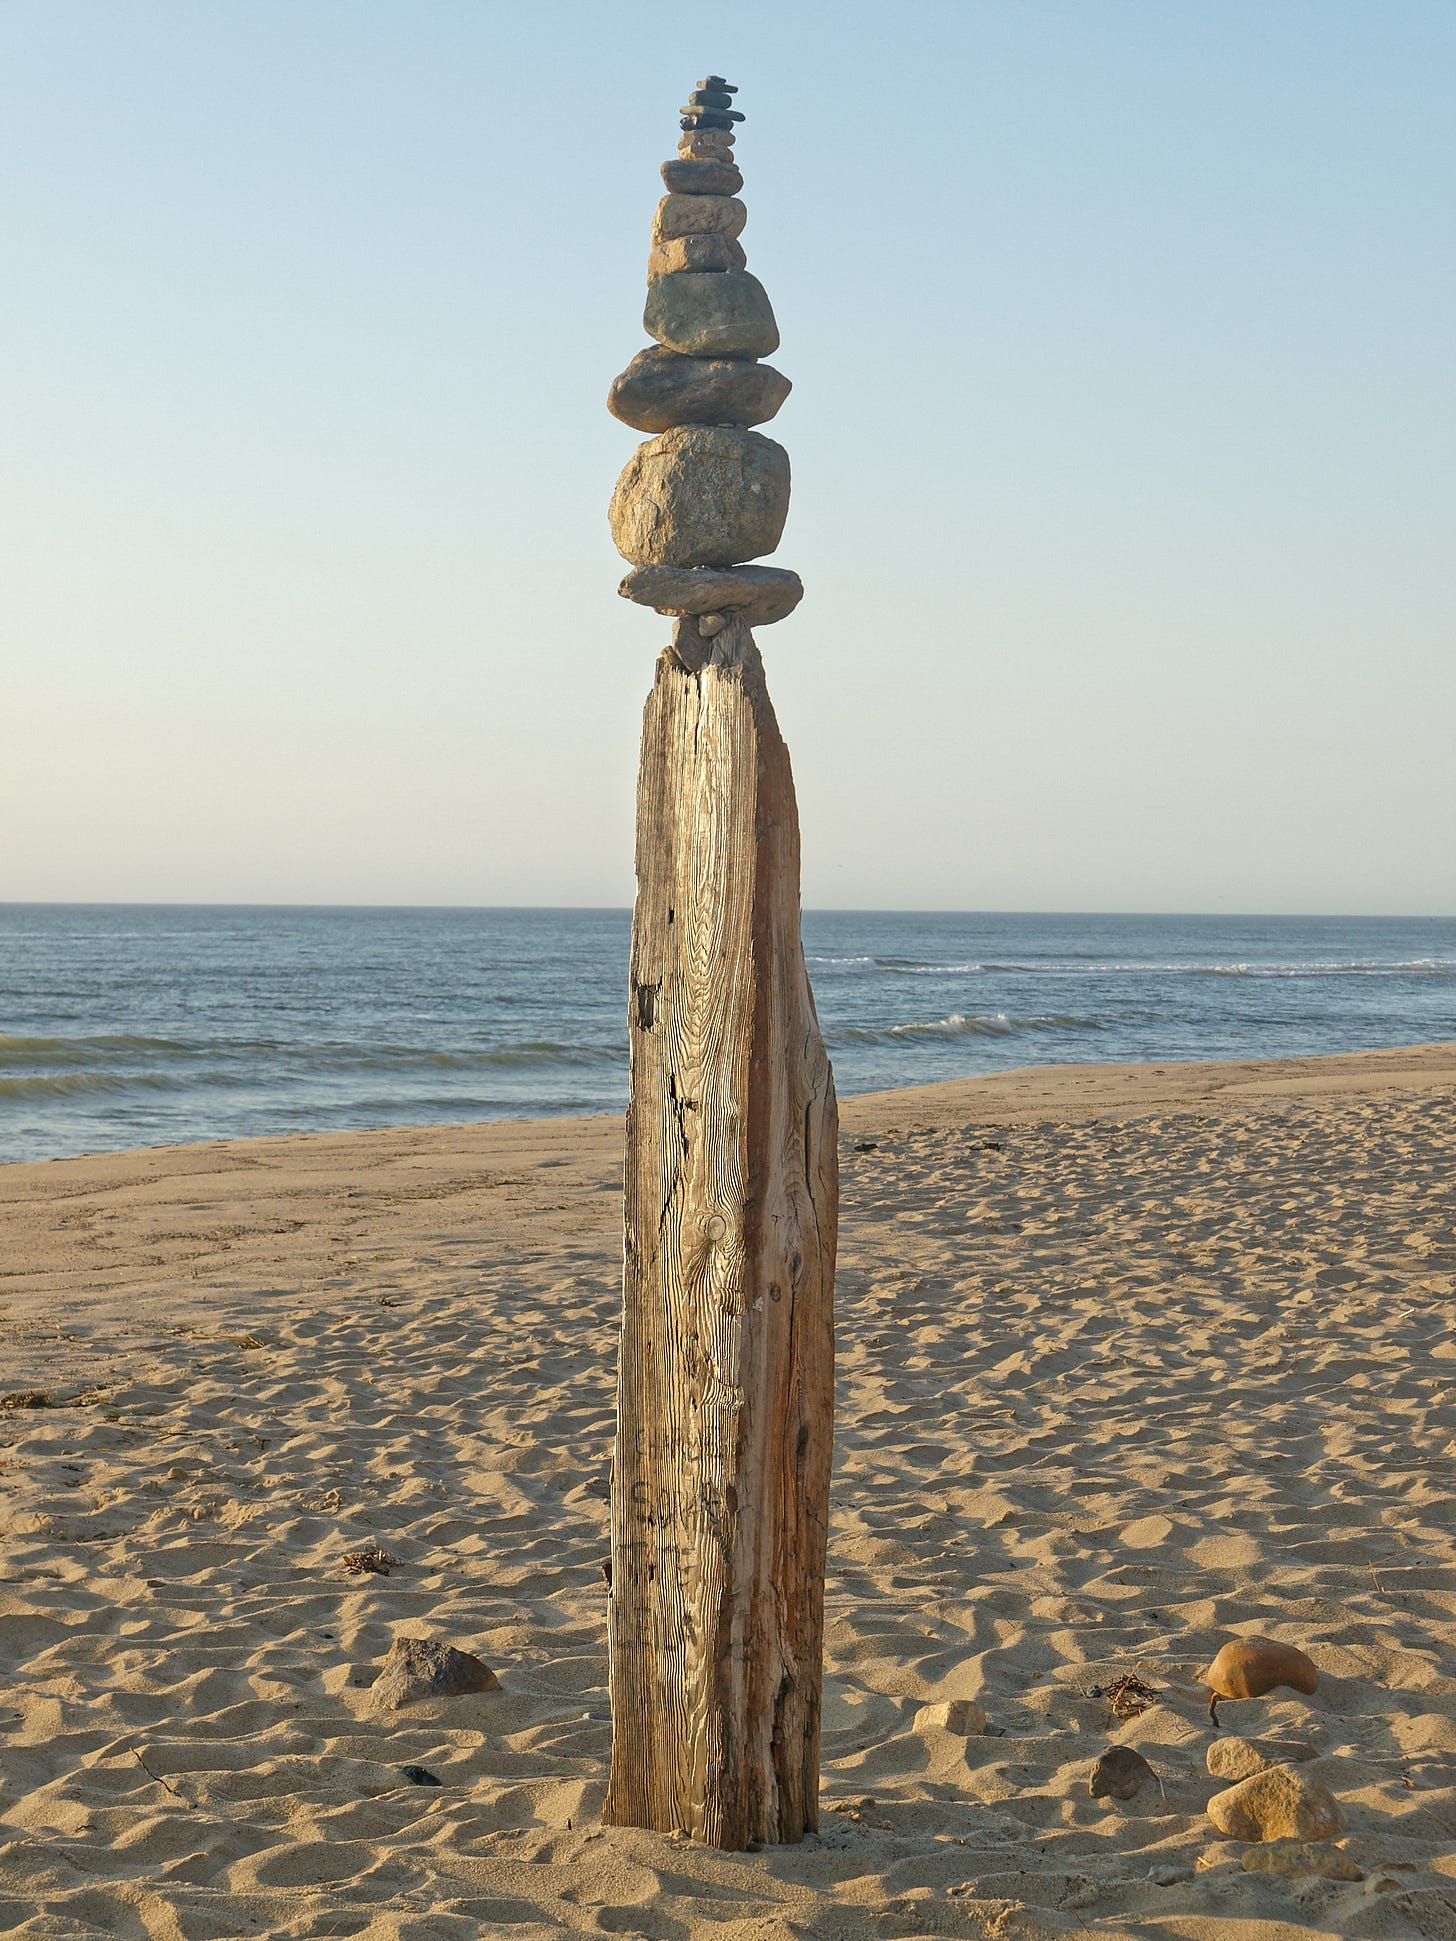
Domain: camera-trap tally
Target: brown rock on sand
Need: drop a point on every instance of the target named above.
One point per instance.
(1232, 1758)
(1280, 1804)
(1120, 1771)
(419, 1668)
(1301, 1859)
(1250, 1667)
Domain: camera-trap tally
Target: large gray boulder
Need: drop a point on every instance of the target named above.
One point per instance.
(661, 388)
(701, 495)
(711, 315)
(762, 594)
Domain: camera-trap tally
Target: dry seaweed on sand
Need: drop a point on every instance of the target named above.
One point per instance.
(1128, 1696)
(372, 1560)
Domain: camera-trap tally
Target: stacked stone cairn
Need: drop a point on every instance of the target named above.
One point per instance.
(705, 493)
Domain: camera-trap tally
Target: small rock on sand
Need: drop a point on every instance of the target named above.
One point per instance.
(1232, 1758)
(419, 1668)
(1301, 1859)
(1120, 1771)
(962, 1716)
(1279, 1804)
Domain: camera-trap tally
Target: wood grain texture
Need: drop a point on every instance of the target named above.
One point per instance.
(725, 1389)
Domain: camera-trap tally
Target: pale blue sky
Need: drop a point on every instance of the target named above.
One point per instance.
(1122, 434)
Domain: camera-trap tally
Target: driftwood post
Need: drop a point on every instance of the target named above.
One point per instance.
(720, 1481)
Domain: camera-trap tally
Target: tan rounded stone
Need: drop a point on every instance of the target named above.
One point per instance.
(696, 253)
(1232, 1758)
(701, 495)
(961, 1716)
(1250, 1667)
(698, 215)
(727, 314)
(1301, 1860)
(1278, 1804)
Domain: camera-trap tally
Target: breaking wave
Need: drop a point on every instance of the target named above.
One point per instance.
(986, 1024)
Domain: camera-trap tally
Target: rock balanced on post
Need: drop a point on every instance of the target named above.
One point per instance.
(707, 492)
(725, 1391)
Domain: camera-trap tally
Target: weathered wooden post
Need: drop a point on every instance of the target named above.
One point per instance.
(725, 1395)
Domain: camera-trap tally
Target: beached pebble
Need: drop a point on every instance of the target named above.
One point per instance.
(1301, 1860)
(707, 177)
(699, 254)
(1232, 1758)
(662, 388)
(418, 1668)
(698, 215)
(421, 1776)
(1278, 1804)
(962, 1716)
(1165, 1874)
(1250, 1667)
(725, 315)
(762, 594)
(1119, 1772)
(701, 495)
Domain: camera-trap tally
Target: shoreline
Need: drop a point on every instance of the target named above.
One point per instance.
(1097, 1086)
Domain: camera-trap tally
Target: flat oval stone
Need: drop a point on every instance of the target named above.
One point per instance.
(717, 81)
(711, 315)
(661, 388)
(695, 253)
(701, 495)
(708, 117)
(762, 594)
(692, 177)
(711, 98)
(698, 215)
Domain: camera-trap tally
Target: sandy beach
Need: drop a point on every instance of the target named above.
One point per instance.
(1131, 1360)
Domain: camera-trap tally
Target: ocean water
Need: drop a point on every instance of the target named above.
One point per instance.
(131, 1025)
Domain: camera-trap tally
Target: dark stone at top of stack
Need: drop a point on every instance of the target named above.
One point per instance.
(710, 105)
